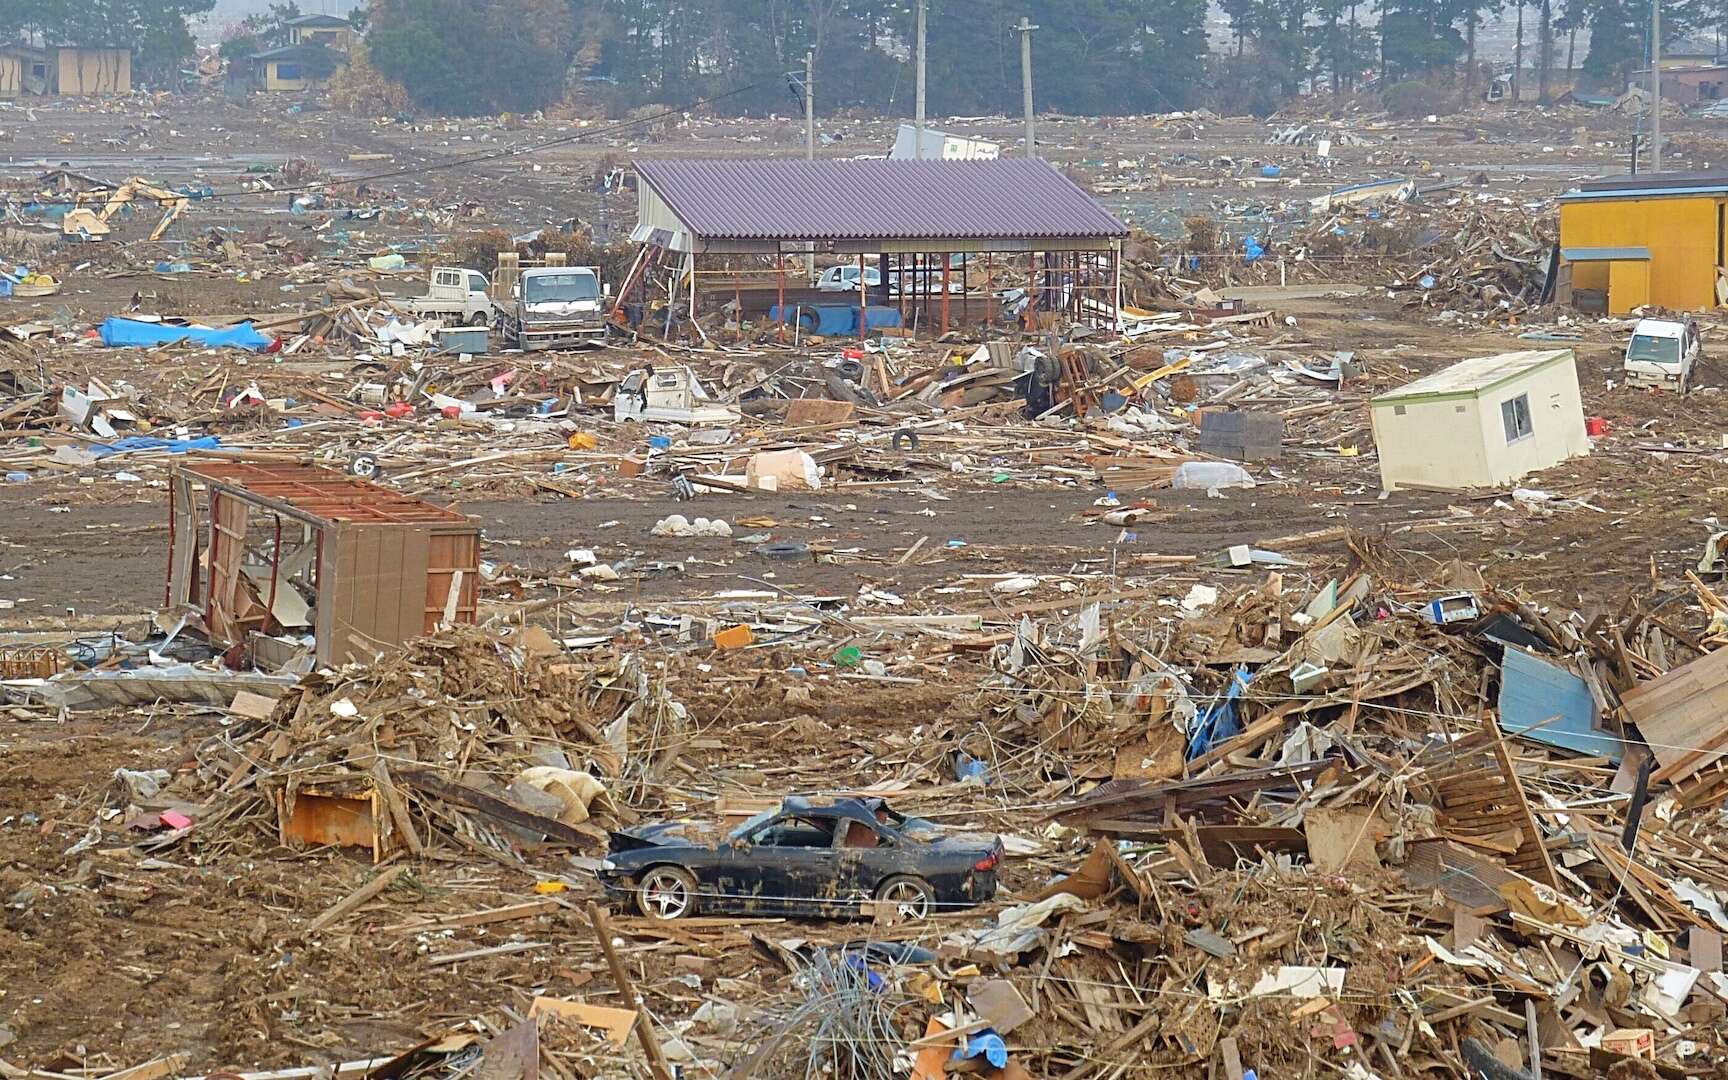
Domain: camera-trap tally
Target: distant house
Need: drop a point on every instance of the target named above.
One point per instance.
(326, 30)
(1696, 83)
(295, 67)
(72, 70)
(89, 70)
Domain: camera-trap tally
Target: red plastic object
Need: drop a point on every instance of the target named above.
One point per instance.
(396, 410)
(453, 412)
(1595, 426)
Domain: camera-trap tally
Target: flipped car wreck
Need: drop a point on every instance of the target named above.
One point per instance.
(833, 858)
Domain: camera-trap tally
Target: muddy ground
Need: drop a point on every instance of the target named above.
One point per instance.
(109, 959)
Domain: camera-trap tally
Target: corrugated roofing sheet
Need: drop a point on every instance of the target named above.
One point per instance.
(1477, 373)
(1648, 185)
(326, 494)
(788, 199)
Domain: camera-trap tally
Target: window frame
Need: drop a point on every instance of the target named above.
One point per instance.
(1509, 419)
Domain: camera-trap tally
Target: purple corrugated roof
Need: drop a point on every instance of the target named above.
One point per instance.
(788, 199)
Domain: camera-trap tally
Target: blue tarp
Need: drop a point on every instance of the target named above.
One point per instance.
(1553, 705)
(117, 333)
(1219, 721)
(834, 320)
(143, 442)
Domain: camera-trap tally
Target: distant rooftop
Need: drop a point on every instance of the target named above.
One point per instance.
(1651, 184)
(871, 199)
(319, 21)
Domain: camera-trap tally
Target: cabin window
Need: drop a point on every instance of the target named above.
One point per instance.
(288, 72)
(1515, 414)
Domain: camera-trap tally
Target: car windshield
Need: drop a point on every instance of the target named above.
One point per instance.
(1660, 350)
(751, 825)
(560, 288)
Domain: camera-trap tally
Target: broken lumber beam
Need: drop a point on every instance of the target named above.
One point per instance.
(356, 898)
(493, 807)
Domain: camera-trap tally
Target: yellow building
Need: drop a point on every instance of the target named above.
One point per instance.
(295, 67)
(1628, 241)
(326, 30)
(11, 74)
(87, 70)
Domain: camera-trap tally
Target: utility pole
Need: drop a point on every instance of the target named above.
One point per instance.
(918, 120)
(1026, 29)
(810, 106)
(1655, 86)
(1518, 59)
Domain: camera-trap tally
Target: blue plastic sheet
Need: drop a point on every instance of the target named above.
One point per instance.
(986, 1044)
(144, 442)
(119, 333)
(1252, 249)
(834, 320)
(1219, 721)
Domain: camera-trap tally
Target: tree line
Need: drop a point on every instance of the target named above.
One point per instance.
(1091, 57)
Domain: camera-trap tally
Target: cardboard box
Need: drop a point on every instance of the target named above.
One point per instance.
(1633, 1042)
(733, 637)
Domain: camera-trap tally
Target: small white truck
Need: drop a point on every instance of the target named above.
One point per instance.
(672, 395)
(1663, 353)
(456, 296)
(552, 306)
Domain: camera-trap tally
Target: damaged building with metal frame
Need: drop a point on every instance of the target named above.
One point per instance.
(270, 555)
(917, 247)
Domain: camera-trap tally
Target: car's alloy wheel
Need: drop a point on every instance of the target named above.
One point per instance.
(910, 897)
(666, 893)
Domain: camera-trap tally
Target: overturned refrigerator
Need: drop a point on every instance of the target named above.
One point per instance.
(284, 559)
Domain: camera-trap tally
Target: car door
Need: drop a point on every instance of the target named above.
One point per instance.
(868, 856)
(786, 866)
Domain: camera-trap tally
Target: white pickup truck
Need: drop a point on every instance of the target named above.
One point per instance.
(1662, 353)
(454, 296)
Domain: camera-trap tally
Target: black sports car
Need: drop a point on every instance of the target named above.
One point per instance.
(823, 857)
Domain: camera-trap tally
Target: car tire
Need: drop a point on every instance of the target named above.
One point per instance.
(666, 893)
(479, 319)
(912, 896)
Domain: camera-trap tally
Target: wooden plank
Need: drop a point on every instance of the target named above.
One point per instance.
(395, 807)
(657, 1063)
(508, 913)
(156, 1069)
(496, 950)
(1683, 715)
(356, 898)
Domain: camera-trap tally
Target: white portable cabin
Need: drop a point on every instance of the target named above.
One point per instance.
(1484, 422)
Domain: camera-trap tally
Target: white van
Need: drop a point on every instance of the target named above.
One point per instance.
(1663, 353)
